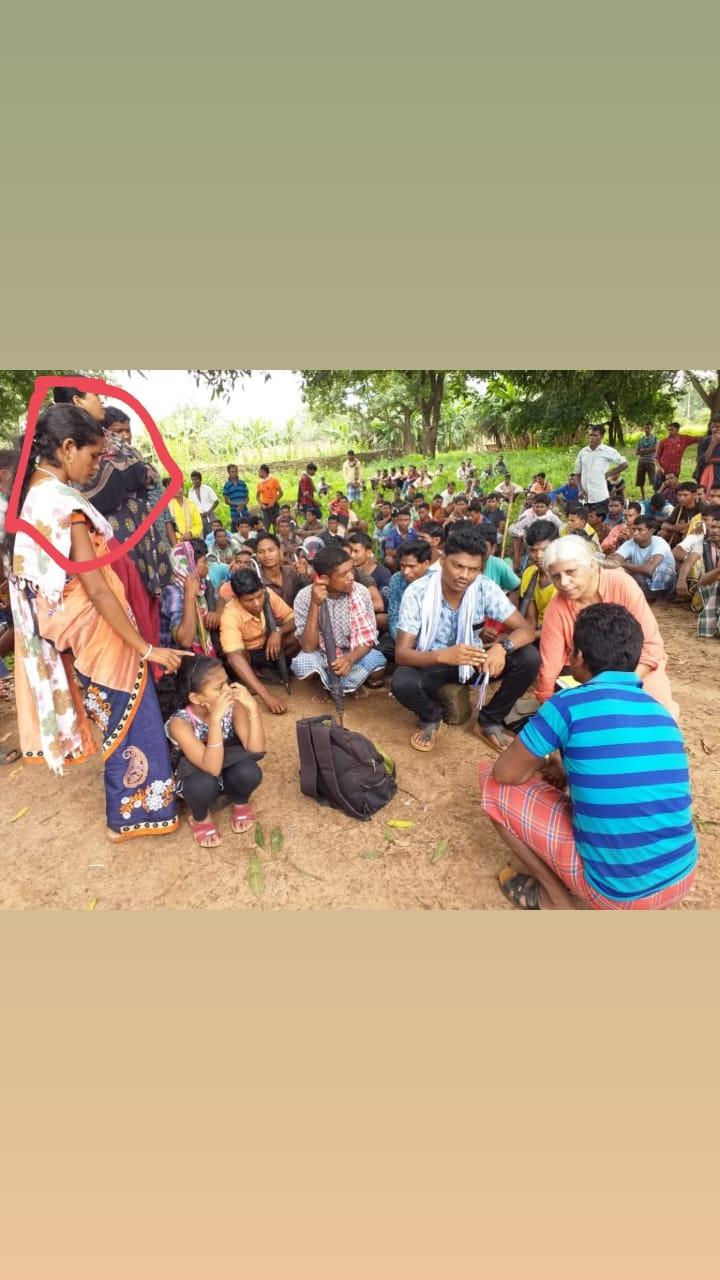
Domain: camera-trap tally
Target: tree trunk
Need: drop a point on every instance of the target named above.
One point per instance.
(432, 386)
(408, 435)
(616, 436)
(710, 397)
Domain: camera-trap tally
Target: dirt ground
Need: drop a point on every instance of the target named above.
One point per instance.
(57, 856)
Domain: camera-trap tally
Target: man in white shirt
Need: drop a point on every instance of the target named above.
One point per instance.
(594, 466)
(540, 510)
(204, 497)
(448, 496)
(648, 559)
(508, 490)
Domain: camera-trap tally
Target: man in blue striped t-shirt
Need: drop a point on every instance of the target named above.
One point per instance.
(624, 836)
(235, 493)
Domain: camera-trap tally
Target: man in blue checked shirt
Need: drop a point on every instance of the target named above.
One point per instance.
(235, 493)
(623, 837)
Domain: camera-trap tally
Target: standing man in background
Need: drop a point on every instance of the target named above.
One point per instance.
(352, 477)
(646, 452)
(235, 493)
(268, 492)
(594, 466)
(204, 497)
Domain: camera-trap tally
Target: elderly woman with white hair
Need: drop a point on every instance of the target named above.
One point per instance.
(581, 579)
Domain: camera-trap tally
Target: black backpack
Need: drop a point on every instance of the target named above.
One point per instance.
(343, 769)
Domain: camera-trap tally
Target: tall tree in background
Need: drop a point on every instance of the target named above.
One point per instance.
(408, 401)
(16, 386)
(707, 386)
(557, 404)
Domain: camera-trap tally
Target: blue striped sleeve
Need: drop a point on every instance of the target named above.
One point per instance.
(548, 730)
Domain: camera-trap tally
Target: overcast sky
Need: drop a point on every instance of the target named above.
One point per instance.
(163, 390)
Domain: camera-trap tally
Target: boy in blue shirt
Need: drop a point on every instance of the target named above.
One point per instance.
(623, 838)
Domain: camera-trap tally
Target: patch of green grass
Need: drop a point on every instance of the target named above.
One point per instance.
(523, 464)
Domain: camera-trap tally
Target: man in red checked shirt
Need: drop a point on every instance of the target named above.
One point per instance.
(306, 500)
(670, 452)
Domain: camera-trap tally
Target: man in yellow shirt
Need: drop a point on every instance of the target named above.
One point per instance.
(536, 589)
(183, 520)
(577, 522)
(268, 493)
(248, 644)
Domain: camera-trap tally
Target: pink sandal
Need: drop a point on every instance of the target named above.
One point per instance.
(243, 819)
(204, 831)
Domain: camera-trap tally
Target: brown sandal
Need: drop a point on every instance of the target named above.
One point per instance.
(425, 737)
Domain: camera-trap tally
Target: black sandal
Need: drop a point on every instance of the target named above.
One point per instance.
(9, 757)
(522, 890)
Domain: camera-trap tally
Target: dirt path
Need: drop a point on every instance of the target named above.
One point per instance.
(57, 855)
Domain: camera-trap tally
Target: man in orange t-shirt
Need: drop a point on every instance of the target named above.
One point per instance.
(247, 644)
(268, 493)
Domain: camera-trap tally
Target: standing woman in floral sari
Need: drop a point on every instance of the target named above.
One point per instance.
(83, 621)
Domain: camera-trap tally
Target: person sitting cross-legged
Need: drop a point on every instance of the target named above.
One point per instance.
(623, 838)
(438, 644)
(649, 559)
(414, 559)
(348, 612)
(249, 645)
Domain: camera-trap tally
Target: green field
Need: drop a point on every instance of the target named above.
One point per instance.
(522, 465)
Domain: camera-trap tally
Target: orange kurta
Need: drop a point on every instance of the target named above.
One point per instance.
(556, 640)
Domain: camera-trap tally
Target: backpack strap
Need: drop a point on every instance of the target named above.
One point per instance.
(308, 763)
(322, 747)
(529, 592)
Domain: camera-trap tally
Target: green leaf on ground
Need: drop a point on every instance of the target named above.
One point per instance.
(255, 876)
(259, 837)
(369, 854)
(439, 851)
(277, 840)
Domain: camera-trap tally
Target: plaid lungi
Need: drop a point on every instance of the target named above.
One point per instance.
(709, 617)
(541, 816)
(314, 664)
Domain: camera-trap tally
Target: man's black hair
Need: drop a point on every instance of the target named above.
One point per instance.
(328, 559)
(540, 498)
(361, 539)
(418, 548)
(465, 538)
(713, 512)
(578, 509)
(636, 506)
(266, 537)
(541, 531)
(245, 582)
(475, 505)
(609, 638)
(403, 511)
(434, 529)
(690, 485)
(650, 523)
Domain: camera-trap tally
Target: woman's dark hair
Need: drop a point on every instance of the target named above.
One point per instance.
(8, 458)
(465, 539)
(245, 582)
(418, 548)
(199, 547)
(609, 638)
(541, 531)
(174, 690)
(56, 423)
(64, 395)
(113, 415)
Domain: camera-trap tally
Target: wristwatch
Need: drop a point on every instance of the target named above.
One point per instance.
(506, 644)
